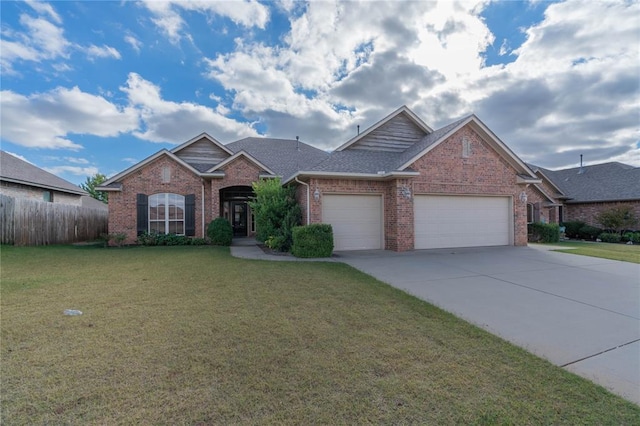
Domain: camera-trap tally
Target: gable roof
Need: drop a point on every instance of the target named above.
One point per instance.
(403, 110)
(202, 152)
(112, 184)
(601, 182)
(13, 169)
(236, 156)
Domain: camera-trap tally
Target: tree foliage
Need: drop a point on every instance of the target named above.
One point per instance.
(618, 218)
(276, 213)
(90, 185)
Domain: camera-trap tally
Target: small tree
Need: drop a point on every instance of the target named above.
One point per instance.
(618, 218)
(90, 185)
(276, 212)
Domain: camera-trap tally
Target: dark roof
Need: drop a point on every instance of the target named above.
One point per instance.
(92, 203)
(601, 182)
(284, 157)
(13, 169)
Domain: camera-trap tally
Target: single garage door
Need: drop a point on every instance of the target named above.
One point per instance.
(356, 220)
(461, 221)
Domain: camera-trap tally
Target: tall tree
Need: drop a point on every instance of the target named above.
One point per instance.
(90, 186)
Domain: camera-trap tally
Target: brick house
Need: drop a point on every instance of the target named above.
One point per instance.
(20, 179)
(399, 185)
(582, 193)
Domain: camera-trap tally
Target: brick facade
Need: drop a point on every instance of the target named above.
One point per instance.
(443, 170)
(447, 169)
(588, 212)
(148, 180)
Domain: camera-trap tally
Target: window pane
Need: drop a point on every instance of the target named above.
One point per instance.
(176, 227)
(156, 227)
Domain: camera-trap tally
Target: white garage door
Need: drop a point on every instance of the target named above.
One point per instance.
(356, 220)
(461, 221)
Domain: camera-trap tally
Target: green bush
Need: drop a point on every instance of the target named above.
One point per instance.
(276, 212)
(572, 228)
(618, 218)
(220, 232)
(156, 239)
(609, 237)
(588, 232)
(315, 240)
(543, 232)
(634, 237)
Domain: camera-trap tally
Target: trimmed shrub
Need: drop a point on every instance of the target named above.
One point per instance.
(315, 240)
(155, 239)
(543, 232)
(609, 237)
(220, 232)
(573, 228)
(634, 237)
(588, 232)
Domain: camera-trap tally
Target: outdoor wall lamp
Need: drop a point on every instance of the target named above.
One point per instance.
(406, 192)
(523, 197)
(316, 195)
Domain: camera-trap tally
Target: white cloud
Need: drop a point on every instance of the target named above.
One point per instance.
(45, 120)
(176, 122)
(76, 160)
(94, 51)
(167, 14)
(133, 42)
(74, 170)
(45, 9)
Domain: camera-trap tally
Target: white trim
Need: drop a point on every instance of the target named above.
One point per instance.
(166, 219)
(403, 109)
(197, 138)
(237, 155)
(308, 200)
(521, 180)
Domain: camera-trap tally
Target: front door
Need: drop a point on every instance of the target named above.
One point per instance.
(239, 218)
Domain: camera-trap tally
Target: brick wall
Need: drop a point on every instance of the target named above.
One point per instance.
(17, 190)
(148, 180)
(239, 172)
(587, 212)
(444, 170)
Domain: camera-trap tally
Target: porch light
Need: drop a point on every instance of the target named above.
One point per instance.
(316, 195)
(406, 192)
(523, 197)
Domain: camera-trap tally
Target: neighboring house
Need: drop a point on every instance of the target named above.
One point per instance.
(399, 185)
(20, 179)
(581, 193)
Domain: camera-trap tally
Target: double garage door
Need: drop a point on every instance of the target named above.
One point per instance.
(461, 221)
(439, 221)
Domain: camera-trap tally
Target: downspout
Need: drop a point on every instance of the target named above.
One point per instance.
(308, 199)
(202, 213)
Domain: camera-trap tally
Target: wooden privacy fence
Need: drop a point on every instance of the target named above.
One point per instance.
(26, 222)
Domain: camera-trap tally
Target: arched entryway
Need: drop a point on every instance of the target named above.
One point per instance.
(235, 208)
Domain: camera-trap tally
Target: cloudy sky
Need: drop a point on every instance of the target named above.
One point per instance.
(93, 87)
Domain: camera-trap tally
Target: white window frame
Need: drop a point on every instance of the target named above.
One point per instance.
(167, 198)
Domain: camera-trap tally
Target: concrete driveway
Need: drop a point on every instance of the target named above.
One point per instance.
(580, 313)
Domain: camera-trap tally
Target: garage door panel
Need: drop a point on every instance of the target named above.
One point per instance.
(461, 221)
(356, 220)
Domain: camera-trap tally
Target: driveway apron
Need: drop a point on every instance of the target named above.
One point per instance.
(581, 313)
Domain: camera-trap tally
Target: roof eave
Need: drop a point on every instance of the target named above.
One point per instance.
(148, 160)
(348, 175)
(520, 180)
(44, 186)
(237, 155)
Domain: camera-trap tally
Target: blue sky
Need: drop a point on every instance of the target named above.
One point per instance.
(93, 87)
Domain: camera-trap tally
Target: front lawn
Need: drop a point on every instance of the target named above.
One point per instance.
(624, 252)
(190, 335)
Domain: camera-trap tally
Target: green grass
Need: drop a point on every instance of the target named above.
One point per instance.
(626, 253)
(190, 335)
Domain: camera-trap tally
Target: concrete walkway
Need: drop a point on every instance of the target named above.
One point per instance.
(581, 313)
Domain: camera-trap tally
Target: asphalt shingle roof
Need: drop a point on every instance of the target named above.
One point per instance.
(13, 169)
(284, 157)
(601, 182)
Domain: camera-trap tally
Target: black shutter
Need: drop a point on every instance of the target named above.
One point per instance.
(536, 212)
(190, 215)
(142, 217)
